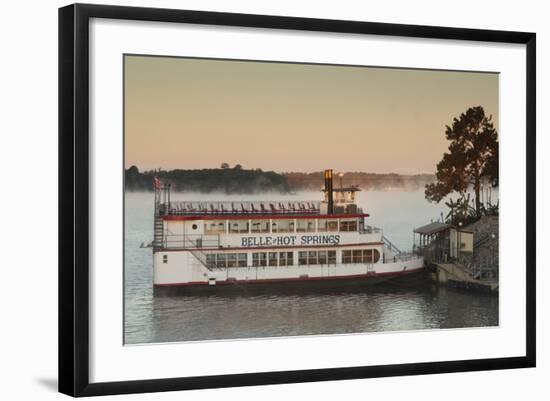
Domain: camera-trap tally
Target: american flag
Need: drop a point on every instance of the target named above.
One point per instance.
(157, 183)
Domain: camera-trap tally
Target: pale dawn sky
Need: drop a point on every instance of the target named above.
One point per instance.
(197, 113)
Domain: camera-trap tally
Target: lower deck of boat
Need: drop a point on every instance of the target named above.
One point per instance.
(336, 284)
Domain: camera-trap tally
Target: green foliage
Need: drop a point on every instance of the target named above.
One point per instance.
(488, 209)
(472, 156)
(460, 211)
(133, 178)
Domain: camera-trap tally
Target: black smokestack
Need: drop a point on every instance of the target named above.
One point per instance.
(328, 190)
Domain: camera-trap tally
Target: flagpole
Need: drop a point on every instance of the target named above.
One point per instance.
(156, 187)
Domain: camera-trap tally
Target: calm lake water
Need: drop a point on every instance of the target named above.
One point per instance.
(386, 307)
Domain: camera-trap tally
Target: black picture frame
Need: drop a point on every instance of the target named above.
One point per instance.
(74, 194)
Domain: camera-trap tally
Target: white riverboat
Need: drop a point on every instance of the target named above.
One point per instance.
(215, 245)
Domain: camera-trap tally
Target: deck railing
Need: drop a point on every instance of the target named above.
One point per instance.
(198, 241)
(370, 230)
(391, 245)
(406, 256)
(432, 253)
(240, 208)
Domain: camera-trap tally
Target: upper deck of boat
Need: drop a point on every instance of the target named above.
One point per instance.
(252, 209)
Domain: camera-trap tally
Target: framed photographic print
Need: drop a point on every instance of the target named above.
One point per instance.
(250, 199)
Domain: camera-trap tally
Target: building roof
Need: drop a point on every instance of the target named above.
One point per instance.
(432, 228)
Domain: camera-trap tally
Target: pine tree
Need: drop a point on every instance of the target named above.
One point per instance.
(472, 156)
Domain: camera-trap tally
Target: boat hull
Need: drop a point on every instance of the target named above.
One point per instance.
(334, 283)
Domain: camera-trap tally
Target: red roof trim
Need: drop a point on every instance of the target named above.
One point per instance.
(262, 216)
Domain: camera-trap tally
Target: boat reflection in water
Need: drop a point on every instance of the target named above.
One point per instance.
(280, 312)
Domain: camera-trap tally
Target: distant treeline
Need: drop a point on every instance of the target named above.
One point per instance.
(228, 180)
(237, 180)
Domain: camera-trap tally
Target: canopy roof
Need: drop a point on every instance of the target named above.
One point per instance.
(432, 228)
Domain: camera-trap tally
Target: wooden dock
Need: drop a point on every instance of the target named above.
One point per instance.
(456, 275)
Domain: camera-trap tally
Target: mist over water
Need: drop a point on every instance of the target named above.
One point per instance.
(386, 307)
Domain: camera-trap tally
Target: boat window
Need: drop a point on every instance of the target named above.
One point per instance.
(238, 226)
(348, 225)
(221, 260)
(331, 257)
(260, 226)
(232, 260)
(312, 258)
(327, 225)
(360, 256)
(305, 225)
(259, 259)
(346, 256)
(376, 256)
(282, 226)
(214, 227)
(367, 255)
(211, 260)
(371, 256)
(272, 259)
(286, 258)
(241, 259)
